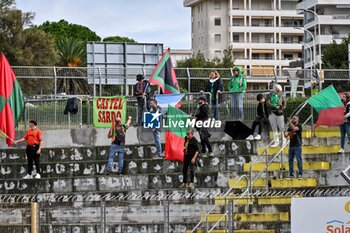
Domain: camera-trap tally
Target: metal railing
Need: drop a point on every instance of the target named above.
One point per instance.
(265, 152)
(217, 205)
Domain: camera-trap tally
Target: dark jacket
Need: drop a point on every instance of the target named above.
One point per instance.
(202, 113)
(218, 86)
(146, 90)
(347, 110)
(262, 111)
(71, 106)
(192, 147)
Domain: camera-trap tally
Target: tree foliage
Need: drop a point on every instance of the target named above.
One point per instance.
(118, 39)
(24, 45)
(198, 60)
(63, 29)
(336, 56)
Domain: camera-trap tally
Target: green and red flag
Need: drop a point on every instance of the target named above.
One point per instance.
(11, 101)
(164, 75)
(177, 127)
(329, 106)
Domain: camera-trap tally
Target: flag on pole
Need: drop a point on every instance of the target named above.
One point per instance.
(164, 75)
(175, 135)
(329, 106)
(11, 101)
(169, 99)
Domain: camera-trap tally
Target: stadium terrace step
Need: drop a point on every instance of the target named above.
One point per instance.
(293, 183)
(312, 166)
(273, 200)
(320, 132)
(236, 231)
(277, 183)
(306, 150)
(259, 183)
(251, 217)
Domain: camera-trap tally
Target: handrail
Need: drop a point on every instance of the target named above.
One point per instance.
(224, 196)
(252, 181)
(246, 191)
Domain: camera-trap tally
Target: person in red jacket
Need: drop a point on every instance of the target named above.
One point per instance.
(33, 150)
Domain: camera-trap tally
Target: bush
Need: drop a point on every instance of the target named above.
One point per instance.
(293, 103)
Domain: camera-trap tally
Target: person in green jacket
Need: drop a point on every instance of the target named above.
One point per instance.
(237, 86)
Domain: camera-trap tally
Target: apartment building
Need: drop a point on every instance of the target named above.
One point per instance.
(262, 33)
(331, 18)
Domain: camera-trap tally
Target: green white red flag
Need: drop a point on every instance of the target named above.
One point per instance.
(11, 101)
(175, 134)
(329, 106)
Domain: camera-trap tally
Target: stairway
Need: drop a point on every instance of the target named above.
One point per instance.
(269, 211)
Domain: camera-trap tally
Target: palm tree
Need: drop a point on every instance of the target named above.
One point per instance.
(72, 53)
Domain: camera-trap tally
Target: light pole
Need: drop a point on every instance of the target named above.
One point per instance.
(319, 33)
(313, 42)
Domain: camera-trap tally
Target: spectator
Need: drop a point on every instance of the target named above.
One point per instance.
(117, 133)
(156, 131)
(202, 114)
(276, 104)
(261, 117)
(344, 128)
(33, 150)
(191, 151)
(142, 91)
(215, 86)
(237, 85)
(294, 132)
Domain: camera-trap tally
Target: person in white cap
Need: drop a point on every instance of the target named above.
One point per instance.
(276, 104)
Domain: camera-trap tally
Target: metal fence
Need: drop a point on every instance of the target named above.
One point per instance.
(94, 81)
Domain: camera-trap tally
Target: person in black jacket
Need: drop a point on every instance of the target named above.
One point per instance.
(202, 114)
(191, 151)
(215, 86)
(142, 91)
(262, 117)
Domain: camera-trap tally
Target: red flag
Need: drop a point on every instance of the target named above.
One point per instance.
(11, 100)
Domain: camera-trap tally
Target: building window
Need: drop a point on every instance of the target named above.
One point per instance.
(202, 24)
(199, 8)
(217, 38)
(217, 4)
(217, 53)
(268, 56)
(217, 21)
(235, 38)
(288, 56)
(255, 56)
(199, 25)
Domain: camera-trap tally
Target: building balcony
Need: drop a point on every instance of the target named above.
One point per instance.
(188, 3)
(269, 29)
(327, 39)
(282, 13)
(340, 19)
(312, 3)
(245, 45)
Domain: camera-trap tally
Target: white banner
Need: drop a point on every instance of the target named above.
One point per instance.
(321, 215)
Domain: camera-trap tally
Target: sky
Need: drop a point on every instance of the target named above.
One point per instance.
(149, 21)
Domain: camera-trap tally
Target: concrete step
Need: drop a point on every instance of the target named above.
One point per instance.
(236, 231)
(277, 183)
(306, 150)
(273, 200)
(320, 132)
(111, 183)
(251, 217)
(275, 166)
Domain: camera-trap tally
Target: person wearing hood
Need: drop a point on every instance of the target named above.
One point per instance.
(215, 86)
(237, 85)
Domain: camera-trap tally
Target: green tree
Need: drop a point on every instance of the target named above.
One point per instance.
(118, 39)
(336, 56)
(24, 45)
(63, 29)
